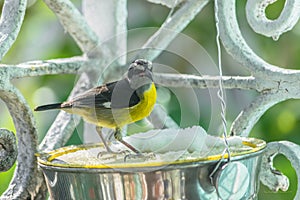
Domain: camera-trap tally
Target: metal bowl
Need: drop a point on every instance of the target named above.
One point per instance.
(77, 172)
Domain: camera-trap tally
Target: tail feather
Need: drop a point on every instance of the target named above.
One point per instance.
(48, 107)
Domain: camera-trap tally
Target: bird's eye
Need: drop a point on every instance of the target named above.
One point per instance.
(140, 62)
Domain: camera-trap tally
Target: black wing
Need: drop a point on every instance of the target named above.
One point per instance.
(111, 95)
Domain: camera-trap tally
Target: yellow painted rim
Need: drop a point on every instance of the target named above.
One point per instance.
(47, 158)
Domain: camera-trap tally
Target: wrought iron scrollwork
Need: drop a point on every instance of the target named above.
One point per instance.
(273, 83)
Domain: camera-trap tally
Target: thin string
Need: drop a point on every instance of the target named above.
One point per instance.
(221, 97)
(221, 90)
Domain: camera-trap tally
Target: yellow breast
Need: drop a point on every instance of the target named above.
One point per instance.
(112, 118)
(145, 106)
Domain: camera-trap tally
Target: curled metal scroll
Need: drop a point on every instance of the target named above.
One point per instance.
(10, 23)
(281, 81)
(285, 82)
(271, 177)
(272, 82)
(26, 172)
(256, 16)
(28, 182)
(8, 149)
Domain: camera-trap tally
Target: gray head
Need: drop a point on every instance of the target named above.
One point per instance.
(140, 73)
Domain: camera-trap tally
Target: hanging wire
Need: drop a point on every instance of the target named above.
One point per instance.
(221, 97)
(221, 90)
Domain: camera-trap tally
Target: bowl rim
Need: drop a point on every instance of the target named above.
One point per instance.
(45, 159)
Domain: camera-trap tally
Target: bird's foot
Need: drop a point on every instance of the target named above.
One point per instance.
(139, 156)
(112, 154)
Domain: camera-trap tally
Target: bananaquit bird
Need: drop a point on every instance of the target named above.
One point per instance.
(115, 104)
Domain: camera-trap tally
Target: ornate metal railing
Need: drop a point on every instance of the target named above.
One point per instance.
(273, 83)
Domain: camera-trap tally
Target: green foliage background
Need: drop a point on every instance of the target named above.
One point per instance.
(42, 37)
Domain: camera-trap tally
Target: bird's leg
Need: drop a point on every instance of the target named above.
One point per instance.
(111, 134)
(118, 136)
(138, 154)
(108, 149)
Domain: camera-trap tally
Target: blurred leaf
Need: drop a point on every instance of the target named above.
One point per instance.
(5, 178)
(273, 11)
